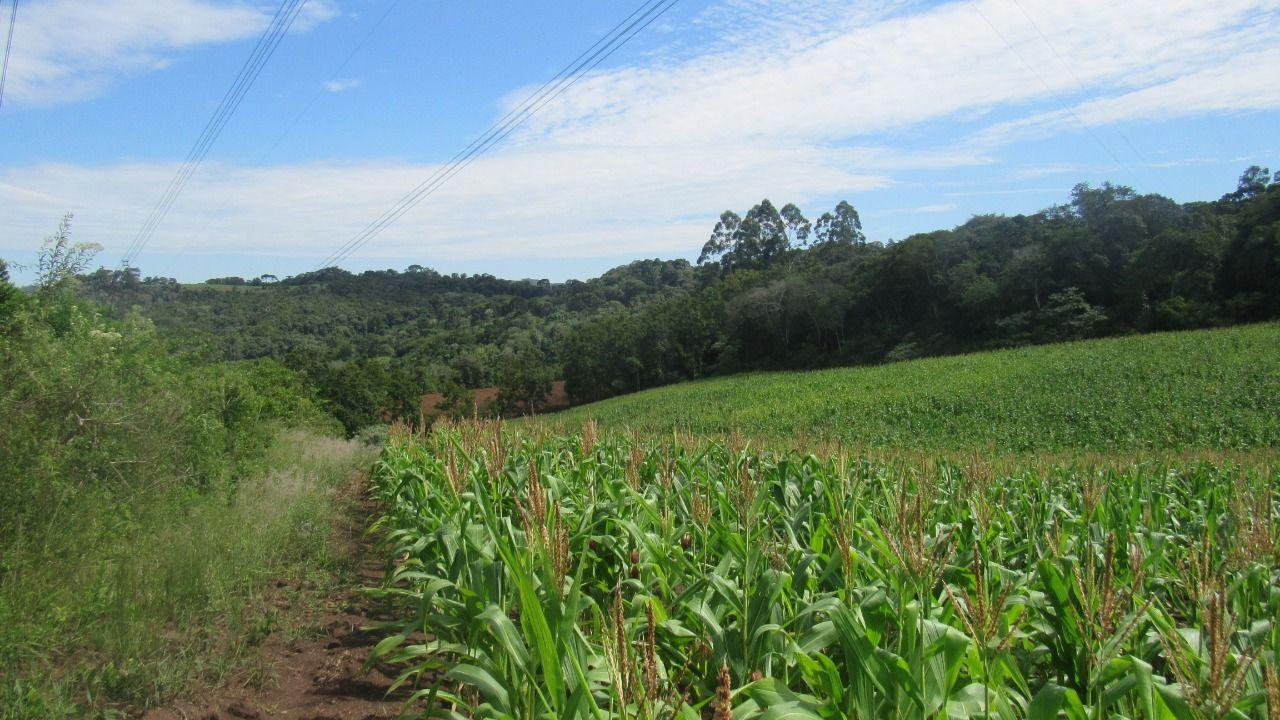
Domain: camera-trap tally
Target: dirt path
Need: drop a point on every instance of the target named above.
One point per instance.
(319, 676)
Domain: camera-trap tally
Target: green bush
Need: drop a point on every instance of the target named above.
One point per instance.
(99, 407)
(148, 496)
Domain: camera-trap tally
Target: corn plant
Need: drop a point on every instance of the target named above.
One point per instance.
(584, 577)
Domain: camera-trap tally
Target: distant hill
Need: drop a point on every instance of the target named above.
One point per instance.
(1214, 389)
(375, 342)
(771, 291)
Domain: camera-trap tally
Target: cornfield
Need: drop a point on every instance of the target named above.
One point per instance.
(578, 576)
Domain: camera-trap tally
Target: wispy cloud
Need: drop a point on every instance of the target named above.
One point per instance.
(799, 100)
(934, 209)
(1007, 191)
(69, 50)
(337, 86)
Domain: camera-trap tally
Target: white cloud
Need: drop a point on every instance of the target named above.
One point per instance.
(337, 86)
(906, 69)
(934, 209)
(68, 50)
(799, 100)
(585, 204)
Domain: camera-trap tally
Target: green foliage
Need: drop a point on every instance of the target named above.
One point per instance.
(139, 514)
(1108, 262)
(574, 578)
(1209, 388)
(10, 297)
(96, 404)
(60, 259)
(372, 344)
(773, 291)
(523, 380)
(124, 605)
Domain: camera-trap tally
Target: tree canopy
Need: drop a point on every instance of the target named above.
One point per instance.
(771, 289)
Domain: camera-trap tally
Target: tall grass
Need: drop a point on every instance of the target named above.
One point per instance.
(576, 576)
(130, 603)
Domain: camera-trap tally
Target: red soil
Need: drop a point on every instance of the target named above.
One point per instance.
(485, 398)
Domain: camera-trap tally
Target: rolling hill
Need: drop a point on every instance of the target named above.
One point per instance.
(1209, 389)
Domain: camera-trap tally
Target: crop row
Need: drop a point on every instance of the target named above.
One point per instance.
(579, 577)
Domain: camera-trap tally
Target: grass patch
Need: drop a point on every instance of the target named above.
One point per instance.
(128, 604)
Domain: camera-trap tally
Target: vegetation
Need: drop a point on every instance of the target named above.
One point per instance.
(771, 293)
(772, 290)
(575, 577)
(124, 606)
(148, 499)
(921, 563)
(1211, 389)
(373, 344)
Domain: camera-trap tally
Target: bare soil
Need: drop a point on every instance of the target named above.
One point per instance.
(319, 675)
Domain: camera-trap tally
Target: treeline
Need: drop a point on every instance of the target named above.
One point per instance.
(771, 289)
(777, 291)
(373, 343)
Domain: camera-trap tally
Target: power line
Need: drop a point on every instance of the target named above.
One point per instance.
(213, 128)
(320, 91)
(1049, 88)
(622, 33)
(8, 48)
(1071, 70)
(249, 72)
(505, 124)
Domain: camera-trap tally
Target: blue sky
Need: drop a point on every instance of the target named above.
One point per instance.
(919, 113)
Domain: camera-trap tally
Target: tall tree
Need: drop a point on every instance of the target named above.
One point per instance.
(842, 227)
(722, 238)
(1252, 183)
(798, 226)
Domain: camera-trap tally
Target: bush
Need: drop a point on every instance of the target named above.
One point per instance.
(144, 500)
(93, 406)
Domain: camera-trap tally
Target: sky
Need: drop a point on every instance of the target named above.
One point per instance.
(921, 114)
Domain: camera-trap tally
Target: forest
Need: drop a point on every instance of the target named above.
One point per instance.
(771, 289)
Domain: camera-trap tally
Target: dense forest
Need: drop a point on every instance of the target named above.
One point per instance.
(373, 343)
(771, 289)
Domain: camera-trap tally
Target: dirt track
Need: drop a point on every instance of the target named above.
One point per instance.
(317, 678)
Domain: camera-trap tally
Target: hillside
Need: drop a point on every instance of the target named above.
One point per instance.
(768, 293)
(1199, 389)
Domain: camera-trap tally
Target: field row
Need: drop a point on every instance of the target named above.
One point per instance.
(605, 578)
(1172, 391)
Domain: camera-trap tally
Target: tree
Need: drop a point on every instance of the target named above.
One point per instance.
(524, 380)
(1250, 277)
(843, 227)
(1068, 316)
(1092, 204)
(1253, 182)
(1180, 262)
(763, 235)
(1026, 271)
(458, 401)
(754, 240)
(9, 295)
(722, 238)
(798, 227)
(7, 289)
